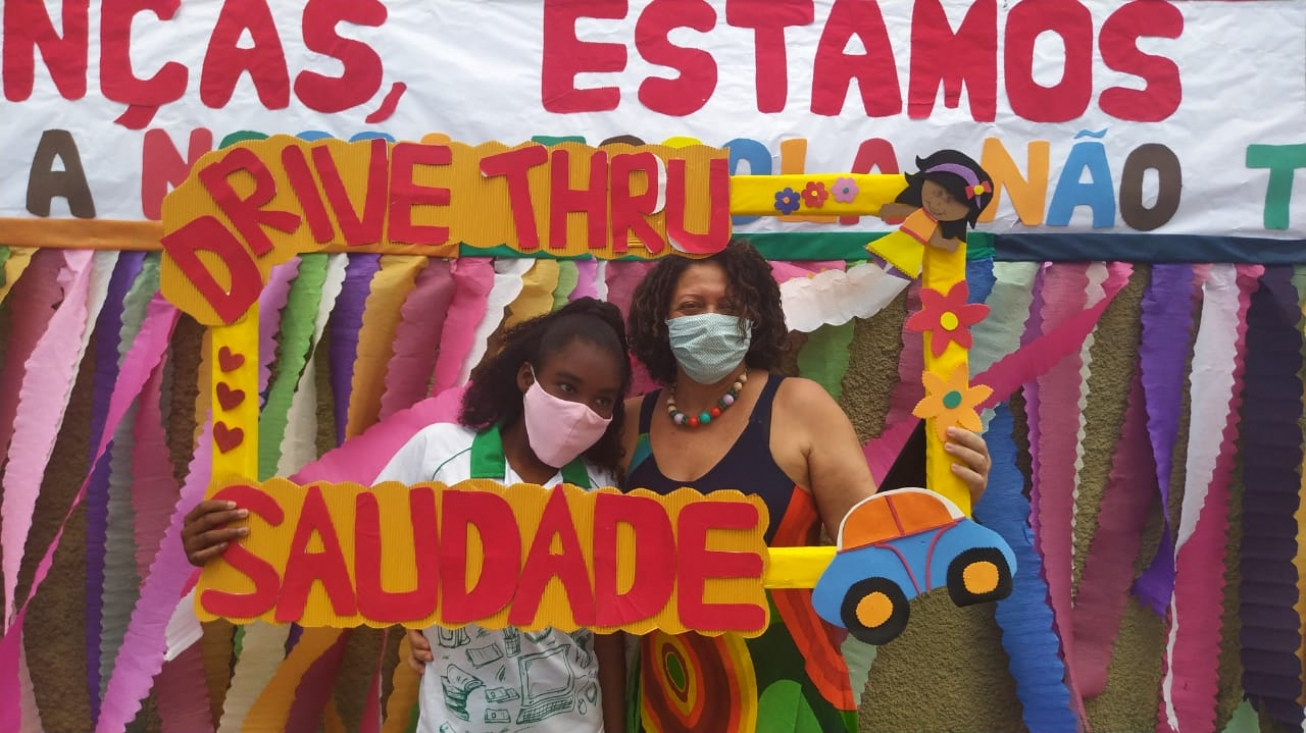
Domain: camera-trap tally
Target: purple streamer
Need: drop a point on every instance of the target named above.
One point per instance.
(1272, 457)
(108, 333)
(345, 324)
(1163, 355)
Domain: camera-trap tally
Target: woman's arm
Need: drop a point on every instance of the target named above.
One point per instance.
(611, 652)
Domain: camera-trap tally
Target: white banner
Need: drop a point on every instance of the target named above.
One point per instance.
(1092, 115)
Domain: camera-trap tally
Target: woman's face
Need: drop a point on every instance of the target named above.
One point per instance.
(581, 372)
(702, 289)
(942, 205)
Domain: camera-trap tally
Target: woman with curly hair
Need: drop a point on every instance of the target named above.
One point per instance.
(545, 409)
(712, 332)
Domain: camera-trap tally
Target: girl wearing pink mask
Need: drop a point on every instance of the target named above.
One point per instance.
(544, 410)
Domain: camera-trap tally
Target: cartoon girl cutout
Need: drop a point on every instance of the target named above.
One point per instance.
(941, 202)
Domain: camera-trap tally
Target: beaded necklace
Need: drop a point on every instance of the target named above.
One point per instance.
(707, 416)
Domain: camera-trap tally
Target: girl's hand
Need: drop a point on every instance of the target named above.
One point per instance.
(419, 651)
(974, 463)
(205, 533)
(947, 244)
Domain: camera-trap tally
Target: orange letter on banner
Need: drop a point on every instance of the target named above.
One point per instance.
(501, 555)
(266, 581)
(304, 567)
(653, 544)
(1028, 195)
(697, 564)
(374, 601)
(543, 566)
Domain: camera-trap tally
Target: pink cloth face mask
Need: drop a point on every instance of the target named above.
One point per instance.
(559, 430)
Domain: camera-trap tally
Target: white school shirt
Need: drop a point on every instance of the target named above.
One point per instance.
(505, 681)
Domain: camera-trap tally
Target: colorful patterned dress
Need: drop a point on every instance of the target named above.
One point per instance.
(793, 677)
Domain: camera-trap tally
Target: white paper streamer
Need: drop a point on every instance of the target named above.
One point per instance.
(834, 297)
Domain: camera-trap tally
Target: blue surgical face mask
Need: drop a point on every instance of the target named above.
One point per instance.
(709, 346)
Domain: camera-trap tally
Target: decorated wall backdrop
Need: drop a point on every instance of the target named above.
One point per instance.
(1145, 394)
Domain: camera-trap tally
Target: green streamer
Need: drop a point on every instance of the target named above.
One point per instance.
(297, 323)
(568, 276)
(824, 358)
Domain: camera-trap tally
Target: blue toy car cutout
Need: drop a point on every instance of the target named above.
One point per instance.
(898, 544)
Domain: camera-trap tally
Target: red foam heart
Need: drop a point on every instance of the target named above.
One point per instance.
(227, 438)
(229, 398)
(227, 361)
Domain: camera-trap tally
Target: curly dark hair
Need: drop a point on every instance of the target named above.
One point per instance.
(750, 284)
(953, 184)
(493, 396)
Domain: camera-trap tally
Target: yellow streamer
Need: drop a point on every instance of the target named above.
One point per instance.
(536, 297)
(390, 287)
(19, 259)
(272, 709)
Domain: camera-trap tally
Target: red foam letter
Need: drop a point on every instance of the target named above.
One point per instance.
(565, 56)
(1162, 91)
(875, 71)
(688, 92)
(1070, 20)
(768, 19)
(209, 235)
(654, 557)
(304, 567)
(357, 231)
(162, 166)
(513, 166)
(697, 564)
(591, 200)
(27, 27)
(118, 81)
(629, 212)
(405, 193)
(247, 214)
(718, 219)
(374, 601)
(501, 541)
(362, 72)
(543, 566)
(939, 56)
(266, 61)
(260, 571)
(310, 198)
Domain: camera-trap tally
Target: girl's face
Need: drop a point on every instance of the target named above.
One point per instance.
(702, 289)
(942, 205)
(581, 372)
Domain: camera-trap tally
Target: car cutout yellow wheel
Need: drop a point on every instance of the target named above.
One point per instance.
(874, 609)
(981, 577)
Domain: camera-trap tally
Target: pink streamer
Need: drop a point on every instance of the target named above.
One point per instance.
(1109, 567)
(417, 338)
(154, 488)
(362, 458)
(783, 271)
(1040, 354)
(473, 278)
(623, 278)
(1052, 506)
(587, 271)
(147, 350)
(883, 450)
(42, 401)
(271, 302)
(34, 299)
(183, 696)
(1198, 603)
(141, 655)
